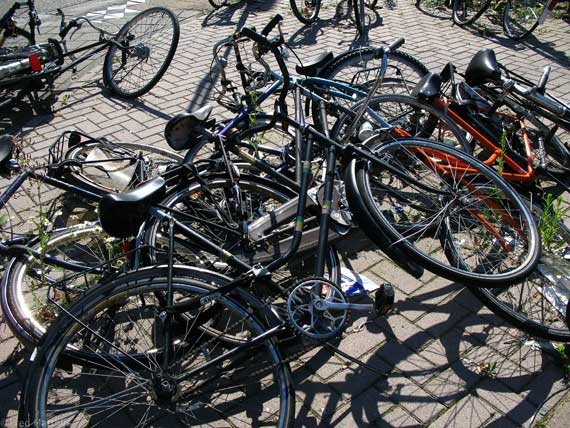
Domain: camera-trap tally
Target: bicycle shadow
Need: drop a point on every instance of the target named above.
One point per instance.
(13, 367)
(443, 356)
(489, 27)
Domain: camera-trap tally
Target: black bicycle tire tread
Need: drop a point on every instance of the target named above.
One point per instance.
(301, 17)
(471, 20)
(507, 27)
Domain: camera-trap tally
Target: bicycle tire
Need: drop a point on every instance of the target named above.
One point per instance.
(19, 38)
(155, 33)
(359, 68)
(104, 167)
(273, 144)
(435, 8)
(117, 347)
(205, 199)
(26, 280)
(456, 222)
(306, 11)
(407, 113)
(530, 305)
(468, 11)
(520, 17)
(218, 3)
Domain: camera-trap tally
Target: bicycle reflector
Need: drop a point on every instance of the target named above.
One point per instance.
(35, 63)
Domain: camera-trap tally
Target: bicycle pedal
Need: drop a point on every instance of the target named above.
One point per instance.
(384, 299)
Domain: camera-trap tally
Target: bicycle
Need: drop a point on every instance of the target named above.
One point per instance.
(177, 135)
(520, 17)
(129, 70)
(307, 11)
(38, 259)
(527, 156)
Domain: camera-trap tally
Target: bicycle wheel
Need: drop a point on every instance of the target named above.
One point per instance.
(119, 372)
(408, 115)
(145, 47)
(306, 11)
(359, 68)
(208, 206)
(274, 145)
(468, 11)
(536, 304)
(218, 3)
(455, 216)
(436, 8)
(28, 281)
(104, 167)
(520, 17)
(16, 38)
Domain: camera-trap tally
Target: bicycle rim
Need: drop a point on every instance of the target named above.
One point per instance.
(535, 305)
(28, 281)
(306, 11)
(468, 11)
(148, 43)
(115, 372)
(409, 116)
(459, 218)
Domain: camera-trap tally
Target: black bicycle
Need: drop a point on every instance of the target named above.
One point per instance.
(137, 57)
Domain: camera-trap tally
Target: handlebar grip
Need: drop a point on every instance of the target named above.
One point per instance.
(379, 52)
(543, 79)
(256, 37)
(68, 27)
(396, 44)
(271, 25)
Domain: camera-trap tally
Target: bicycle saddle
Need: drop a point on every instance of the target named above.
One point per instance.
(483, 68)
(428, 87)
(183, 129)
(122, 214)
(313, 67)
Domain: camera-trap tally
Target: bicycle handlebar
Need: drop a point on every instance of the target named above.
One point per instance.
(271, 24)
(272, 45)
(396, 44)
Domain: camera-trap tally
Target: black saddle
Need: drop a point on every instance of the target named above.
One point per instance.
(483, 68)
(185, 128)
(122, 214)
(428, 87)
(313, 67)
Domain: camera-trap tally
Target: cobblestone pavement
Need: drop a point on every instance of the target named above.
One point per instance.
(449, 362)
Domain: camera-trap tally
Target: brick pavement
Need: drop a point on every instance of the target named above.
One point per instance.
(449, 361)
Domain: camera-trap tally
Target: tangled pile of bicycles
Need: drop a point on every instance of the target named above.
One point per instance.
(213, 264)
